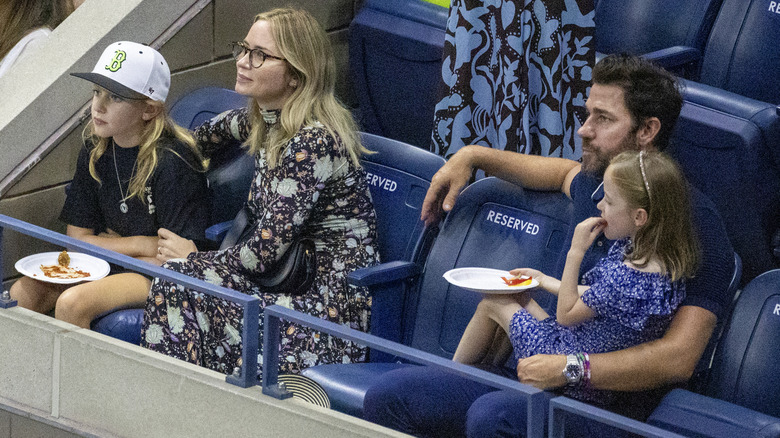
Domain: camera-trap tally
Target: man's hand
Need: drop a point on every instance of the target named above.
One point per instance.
(544, 371)
(446, 186)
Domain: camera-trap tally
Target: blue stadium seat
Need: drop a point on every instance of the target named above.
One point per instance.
(742, 54)
(204, 103)
(398, 177)
(229, 179)
(727, 146)
(395, 52)
(742, 397)
(494, 224)
(671, 32)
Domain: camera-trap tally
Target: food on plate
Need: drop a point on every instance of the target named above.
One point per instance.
(521, 280)
(62, 269)
(63, 259)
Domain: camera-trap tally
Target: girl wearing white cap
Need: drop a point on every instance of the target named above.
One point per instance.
(138, 172)
(308, 183)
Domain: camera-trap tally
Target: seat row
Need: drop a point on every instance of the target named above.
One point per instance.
(727, 44)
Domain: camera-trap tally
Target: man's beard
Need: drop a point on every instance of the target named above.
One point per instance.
(596, 162)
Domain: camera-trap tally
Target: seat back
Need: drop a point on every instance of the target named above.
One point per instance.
(398, 177)
(494, 224)
(726, 145)
(395, 52)
(191, 110)
(744, 370)
(639, 26)
(742, 53)
(230, 171)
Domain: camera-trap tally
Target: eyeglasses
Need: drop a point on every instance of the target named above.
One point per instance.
(256, 56)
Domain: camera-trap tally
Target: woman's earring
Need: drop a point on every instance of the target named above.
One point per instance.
(294, 83)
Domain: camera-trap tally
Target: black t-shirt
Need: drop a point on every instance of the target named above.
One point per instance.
(176, 194)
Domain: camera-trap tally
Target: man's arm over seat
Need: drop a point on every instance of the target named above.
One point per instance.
(529, 171)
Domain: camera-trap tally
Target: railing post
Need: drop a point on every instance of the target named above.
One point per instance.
(246, 375)
(5, 297)
(271, 337)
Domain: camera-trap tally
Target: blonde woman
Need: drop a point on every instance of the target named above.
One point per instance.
(308, 183)
(137, 172)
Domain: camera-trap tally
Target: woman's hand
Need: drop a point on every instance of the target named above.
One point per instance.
(172, 246)
(585, 233)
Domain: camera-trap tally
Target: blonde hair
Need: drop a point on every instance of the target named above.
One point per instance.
(149, 150)
(18, 17)
(658, 186)
(309, 58)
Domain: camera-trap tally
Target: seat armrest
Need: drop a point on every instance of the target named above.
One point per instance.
(694, 414)
(675, 57)
(383, 273)
(217, 232)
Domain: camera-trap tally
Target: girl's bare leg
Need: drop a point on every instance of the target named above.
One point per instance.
(80, 304)
(36, 295)
(494, 312)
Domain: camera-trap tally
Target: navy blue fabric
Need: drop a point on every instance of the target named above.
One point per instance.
(435, 403)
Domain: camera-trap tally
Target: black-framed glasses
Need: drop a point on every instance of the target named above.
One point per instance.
(256, 56)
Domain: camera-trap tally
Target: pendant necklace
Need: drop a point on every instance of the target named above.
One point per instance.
(122, 204)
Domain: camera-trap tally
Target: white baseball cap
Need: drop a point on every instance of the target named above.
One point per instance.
(132, 71)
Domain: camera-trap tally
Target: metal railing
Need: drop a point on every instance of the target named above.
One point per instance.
(245, 375)
(272, 315)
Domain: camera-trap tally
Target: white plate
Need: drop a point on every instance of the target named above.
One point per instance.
(485, 280)
(31, 267)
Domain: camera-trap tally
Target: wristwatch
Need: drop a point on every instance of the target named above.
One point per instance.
(573, 369)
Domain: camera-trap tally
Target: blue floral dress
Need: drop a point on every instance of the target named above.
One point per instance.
(515, 76)
(631, 307)
(316, 191)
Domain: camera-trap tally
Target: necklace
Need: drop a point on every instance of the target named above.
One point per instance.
(122, 204)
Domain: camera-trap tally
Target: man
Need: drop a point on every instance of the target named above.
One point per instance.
(633, 105)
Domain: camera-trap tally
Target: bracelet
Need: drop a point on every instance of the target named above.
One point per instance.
(584, 359)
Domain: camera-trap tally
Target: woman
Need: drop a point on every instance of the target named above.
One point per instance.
(25, 24)
(307, 183)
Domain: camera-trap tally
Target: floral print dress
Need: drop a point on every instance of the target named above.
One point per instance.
(317, 192)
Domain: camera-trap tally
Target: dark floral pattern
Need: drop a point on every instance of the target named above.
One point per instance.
(516, 74)
(316, 192)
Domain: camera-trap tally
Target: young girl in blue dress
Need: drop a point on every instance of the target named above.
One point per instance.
(137, 173)
(628, 298)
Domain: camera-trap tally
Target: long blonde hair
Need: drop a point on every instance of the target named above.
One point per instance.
(657, 185)
(18, 17)
(149, 150)
(305, 46)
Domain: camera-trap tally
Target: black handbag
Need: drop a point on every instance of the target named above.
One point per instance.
(292, 274)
